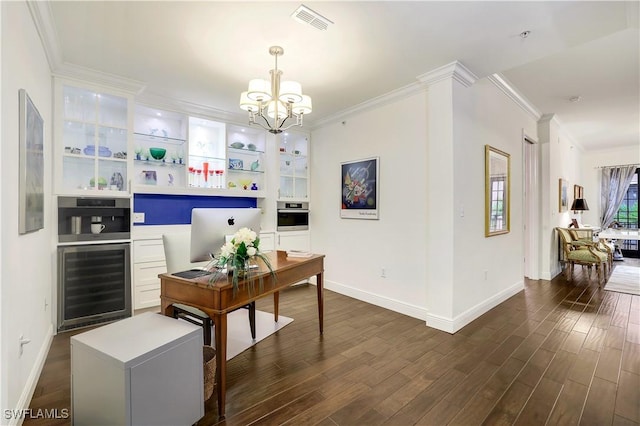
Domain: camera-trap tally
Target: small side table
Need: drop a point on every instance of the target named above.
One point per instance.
(143, 370)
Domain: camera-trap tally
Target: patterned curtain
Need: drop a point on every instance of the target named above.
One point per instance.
(614, 185)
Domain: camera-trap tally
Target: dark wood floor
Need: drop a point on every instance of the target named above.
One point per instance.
(556, 353)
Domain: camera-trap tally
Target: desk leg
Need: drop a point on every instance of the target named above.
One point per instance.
(320, 289)
(276, 305)
(220, 322)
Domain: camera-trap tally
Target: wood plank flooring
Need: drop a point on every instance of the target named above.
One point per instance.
(557, 353)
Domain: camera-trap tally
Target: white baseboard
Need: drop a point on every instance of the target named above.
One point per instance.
(549, 275)
(451, 325)
(413, 311)
(32, 380)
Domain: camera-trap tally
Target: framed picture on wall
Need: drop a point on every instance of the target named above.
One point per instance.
(578, 192)
(359, 188)
(31, 178)
(563, 196)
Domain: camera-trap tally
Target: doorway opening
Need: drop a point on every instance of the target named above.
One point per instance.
(531, 208)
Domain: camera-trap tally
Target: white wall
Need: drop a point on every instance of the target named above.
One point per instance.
(563, 158)
(431, 149)
(356, 250)
(487, 270)
(591, 174)
(27, 260)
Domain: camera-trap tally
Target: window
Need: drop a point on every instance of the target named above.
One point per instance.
(627, 217)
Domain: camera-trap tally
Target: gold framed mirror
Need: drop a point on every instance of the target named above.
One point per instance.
(497, 188)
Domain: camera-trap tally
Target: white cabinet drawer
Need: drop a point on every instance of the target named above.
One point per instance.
(147, 296)
(147, 284)
(147, 272)
(148, 250)
(267, 241)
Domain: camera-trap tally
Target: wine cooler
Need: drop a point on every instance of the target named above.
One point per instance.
(94, 284)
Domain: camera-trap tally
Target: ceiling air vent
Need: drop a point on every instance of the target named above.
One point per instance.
(307, 16)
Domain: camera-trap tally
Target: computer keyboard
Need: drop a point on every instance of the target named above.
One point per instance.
(192, 273)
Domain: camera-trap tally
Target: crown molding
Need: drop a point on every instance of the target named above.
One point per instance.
(512, 93)
(189, 108)
(401, 93)
(77, 72)
(455, 70)
(43, 21)
(548, 118)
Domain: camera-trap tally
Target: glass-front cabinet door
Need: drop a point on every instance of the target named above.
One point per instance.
(246, 161)
(207, 153)
(160, 148)
(93, 137)
(294, 166)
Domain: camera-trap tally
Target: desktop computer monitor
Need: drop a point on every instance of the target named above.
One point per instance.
(211, 226)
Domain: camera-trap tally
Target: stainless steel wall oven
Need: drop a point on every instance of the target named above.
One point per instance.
(293, 216)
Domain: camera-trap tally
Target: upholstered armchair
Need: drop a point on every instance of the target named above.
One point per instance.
(583, 252)
(603, 246)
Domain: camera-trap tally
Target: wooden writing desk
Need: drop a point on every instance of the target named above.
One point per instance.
(217, 299)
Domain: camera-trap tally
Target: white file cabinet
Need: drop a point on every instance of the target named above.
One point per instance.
(143, 370)
(148, 262)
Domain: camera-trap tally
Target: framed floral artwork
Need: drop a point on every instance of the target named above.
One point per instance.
(360, 188)
(563, 196)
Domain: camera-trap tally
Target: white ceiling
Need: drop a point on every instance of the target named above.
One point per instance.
(204, 53)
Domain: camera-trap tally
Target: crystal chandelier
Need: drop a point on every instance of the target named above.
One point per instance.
(274, 105)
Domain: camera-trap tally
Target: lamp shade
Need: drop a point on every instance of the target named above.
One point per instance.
(579, 204)
(304, 106)
(271, 109)
(247, 104)
(290, 91)
(259, 90)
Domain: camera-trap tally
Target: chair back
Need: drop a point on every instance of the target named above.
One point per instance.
(566, 240)
(176, 252)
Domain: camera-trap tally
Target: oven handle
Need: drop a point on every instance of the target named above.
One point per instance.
(293, 211)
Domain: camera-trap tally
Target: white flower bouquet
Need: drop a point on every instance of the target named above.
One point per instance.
(237, 256)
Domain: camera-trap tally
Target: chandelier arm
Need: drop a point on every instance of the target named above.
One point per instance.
(297, 123)
(269, 127)
(257, 123)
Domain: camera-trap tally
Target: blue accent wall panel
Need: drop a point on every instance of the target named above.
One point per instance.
(164, 209)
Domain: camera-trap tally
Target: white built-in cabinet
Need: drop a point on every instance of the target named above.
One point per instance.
(92, 140)
(148, 263)
(106, 145)
(293, 240)
(293, 156)
(178, 154)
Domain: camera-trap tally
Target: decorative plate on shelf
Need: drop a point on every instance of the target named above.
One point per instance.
(235, 164)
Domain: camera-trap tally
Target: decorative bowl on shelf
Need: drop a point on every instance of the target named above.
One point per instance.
(251, 147)
(157, 153)
(237, 145)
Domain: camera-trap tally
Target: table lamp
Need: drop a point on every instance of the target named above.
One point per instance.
(578, 206)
